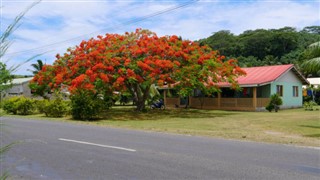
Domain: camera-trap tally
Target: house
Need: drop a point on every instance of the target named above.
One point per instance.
(256, 88)
(20, 86)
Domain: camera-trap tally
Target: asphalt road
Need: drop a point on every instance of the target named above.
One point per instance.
(56, 150)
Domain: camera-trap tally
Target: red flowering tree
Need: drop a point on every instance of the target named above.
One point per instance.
(42, 82)
(134, 61)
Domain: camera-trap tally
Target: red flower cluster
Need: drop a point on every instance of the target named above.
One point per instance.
(140, 57)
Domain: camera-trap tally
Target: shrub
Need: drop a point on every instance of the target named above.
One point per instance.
(42, 106)
(26, 106)
(57, 108)
(86, 105)
(19, 105)
(270, 107)
(10, 105)
(275, 102)
(53, 108)
(308, 106)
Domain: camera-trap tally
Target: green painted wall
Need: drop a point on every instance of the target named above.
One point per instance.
(288, 81)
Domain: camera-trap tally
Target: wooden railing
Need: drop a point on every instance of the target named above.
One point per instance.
(172, 102)
(225, 103)
(262, 102)
(228, 103)
(198, 102)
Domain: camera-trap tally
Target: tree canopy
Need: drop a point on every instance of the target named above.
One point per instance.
(135, 61)
(265, 47)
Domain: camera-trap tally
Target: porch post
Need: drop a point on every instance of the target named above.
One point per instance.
(254, 98)
(165, 97)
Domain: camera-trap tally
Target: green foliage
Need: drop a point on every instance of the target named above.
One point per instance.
(10, 105)
(54, 108)
(270, 107)
(222, 40)
(311, 63)
(275, 102)
(40, 89)
(19, 105)
(85, 105)
(312, 29)
(4, 37)
(5, 79)
(125, 98)
(25, 106)
(36, 67)
(312, 66)
(42, 106)
(5, 73)
(309, 105)
(265, 47)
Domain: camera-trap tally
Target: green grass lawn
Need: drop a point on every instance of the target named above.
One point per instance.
(294, 126)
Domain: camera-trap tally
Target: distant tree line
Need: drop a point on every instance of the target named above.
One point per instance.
(262, 47)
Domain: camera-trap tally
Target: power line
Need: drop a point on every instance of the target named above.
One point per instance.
(133, 21)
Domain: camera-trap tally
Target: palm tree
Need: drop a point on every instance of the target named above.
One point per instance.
(37, 67)
(311, 66)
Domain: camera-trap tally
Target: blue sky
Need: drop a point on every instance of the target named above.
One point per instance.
(54, 25)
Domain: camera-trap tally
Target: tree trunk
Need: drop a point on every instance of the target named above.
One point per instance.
(141, 105)
(140, 95)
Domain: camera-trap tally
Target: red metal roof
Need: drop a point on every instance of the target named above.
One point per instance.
(258, 76)
(265, 74)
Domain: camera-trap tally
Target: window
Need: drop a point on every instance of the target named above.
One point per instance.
(280, 90)
(295, 91)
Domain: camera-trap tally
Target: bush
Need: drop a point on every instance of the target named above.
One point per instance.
(10, 105)
(57, 108)
(308, 106)
(53, 108)
(19, 105)
(42, 106)
(26, 106)
(274, 104)
(270, 107)
(86, 105)
(315, 96)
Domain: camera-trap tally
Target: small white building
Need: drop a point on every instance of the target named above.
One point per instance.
(20, 87)
(314, 81)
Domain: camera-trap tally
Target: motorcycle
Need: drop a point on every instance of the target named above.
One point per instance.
(158, 105)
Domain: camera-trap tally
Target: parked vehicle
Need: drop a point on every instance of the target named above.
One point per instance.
(158, 105)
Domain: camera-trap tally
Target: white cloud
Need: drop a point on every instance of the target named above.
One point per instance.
(57, 22)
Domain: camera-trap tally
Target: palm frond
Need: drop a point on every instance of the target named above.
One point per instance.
(4, 44)
(4, 176)
(15, 67)
(311, 66)
(316, 44)
(40, 64)
(35, 66)
(153, 91)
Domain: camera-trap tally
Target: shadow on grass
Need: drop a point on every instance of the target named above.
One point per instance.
(311, 126)
(126, 114)
(312, 135)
